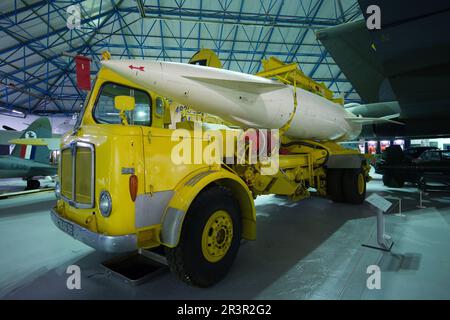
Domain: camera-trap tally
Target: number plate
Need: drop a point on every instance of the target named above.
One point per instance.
(66, 227)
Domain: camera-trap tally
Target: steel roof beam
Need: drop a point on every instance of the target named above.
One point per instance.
(87, 44)
(303, 36)
(46, 35)
(231, 17)
(241, 6)
(23, 9)
(272, 28)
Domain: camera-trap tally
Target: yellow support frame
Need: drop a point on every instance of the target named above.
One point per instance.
(291, 74)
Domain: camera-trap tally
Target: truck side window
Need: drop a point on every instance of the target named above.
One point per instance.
(159, 107)
(105, 112)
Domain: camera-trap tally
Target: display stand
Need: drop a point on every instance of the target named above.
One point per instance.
(399, 213)
(382, 205)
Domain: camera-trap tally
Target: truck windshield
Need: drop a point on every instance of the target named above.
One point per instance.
(105, 112)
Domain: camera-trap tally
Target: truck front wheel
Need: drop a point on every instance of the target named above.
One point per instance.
(209, 240)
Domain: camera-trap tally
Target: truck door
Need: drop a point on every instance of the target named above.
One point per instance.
(162, 173)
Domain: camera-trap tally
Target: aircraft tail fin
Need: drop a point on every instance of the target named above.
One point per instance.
(40, 128)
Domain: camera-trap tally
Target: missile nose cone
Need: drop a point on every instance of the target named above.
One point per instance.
(132, 67)
(142, 72)
(114, 65)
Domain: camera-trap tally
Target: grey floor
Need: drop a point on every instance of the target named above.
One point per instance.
(306, 250)
(17, 185)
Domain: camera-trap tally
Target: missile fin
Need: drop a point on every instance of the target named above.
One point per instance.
(247, 86)
(386, 119)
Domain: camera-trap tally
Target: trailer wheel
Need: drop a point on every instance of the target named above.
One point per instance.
(209, 240)
(354, 184)
(334, 185)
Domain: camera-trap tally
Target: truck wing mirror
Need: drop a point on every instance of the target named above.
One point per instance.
(124, 103)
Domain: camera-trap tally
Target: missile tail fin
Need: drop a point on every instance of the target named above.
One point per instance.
(386, 119)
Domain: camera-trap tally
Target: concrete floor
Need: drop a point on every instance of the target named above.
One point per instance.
(17, 185)
(306, 250)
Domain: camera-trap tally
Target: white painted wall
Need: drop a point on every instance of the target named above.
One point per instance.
(441, 142)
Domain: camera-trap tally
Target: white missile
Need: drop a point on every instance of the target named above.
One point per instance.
(243, 99)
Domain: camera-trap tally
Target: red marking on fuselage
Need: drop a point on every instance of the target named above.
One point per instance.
(136, 68)
(23, 150)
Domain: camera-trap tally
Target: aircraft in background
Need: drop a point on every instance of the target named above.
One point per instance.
(395, 73)
(15, 127)
(30, 157)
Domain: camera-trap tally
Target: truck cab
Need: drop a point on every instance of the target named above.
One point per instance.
(118, 190)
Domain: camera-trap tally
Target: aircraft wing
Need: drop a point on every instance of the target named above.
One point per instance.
(406, 61)
(351, 48)
(414, 51)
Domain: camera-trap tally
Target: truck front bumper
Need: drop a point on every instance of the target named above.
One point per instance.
(115, 244)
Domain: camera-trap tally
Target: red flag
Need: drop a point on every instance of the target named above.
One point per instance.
(83, 66)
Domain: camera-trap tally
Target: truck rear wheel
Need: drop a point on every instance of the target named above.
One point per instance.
(393, 181)
(387, 179)
(334, 185)
(354, 185)
(209, 240)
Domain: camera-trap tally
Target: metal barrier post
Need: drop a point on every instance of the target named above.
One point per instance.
(421, 206)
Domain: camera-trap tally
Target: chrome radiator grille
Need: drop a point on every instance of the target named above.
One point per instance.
(78, 174)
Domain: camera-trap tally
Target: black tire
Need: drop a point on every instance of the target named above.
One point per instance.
(334, 185)
(398, 182)
(354, 185)
(33, 184)
(187, 260)
(393, 181)
(393, 155)
(387, 179)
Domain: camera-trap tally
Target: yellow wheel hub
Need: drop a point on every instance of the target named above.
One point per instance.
(217, 236)
(361, 183)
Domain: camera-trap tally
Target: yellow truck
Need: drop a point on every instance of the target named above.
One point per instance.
(119, 189)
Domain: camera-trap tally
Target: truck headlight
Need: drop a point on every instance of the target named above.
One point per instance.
(57, 190)
(105, 203)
